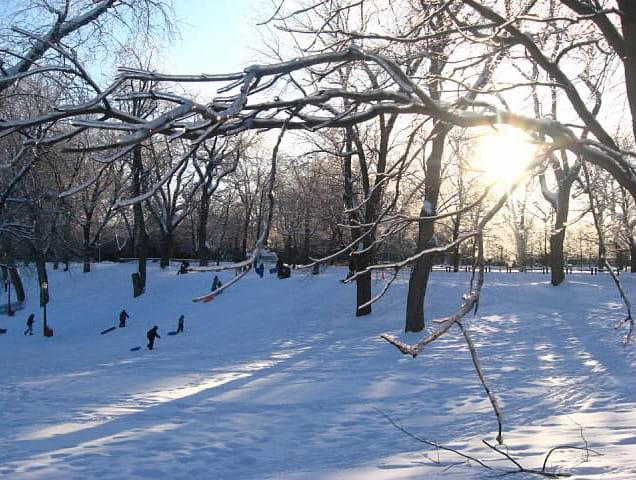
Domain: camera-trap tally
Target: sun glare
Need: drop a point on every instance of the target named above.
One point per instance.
(502, 156)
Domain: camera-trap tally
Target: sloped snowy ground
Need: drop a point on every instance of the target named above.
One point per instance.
(278, 379)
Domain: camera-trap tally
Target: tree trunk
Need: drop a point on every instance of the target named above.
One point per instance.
(628, 25)
(557, 260)
(202, 232)
(419, 281)
(246, 226)
(40, 266)
(86, 250)
(167, 249)
(455, 251)
(632, 255)
(141, 236)
(363, 282)
(16, 280)
(422, 267)
(306, 245)
(363, 285)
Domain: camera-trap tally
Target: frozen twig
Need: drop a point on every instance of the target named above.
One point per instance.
(439, 446)
(482, 379)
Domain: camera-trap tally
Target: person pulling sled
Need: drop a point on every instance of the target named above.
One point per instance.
(152, 335)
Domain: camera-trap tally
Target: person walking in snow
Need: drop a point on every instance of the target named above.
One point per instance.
(216, 283)
(122, 318)
(29, 324)
(152, 335)
(180, 324)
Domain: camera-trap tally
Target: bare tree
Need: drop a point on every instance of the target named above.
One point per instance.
(173, 201)
(214, 161)
(482, 35)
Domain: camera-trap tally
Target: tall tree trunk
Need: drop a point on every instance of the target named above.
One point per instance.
(86, 249)
(455, 251)
(363, 284)
(557, 259)
(221, 248)
(16, 280)
(632, 255)
(40, 267)
(246, 226)
(425, 238)
(628, 25)
(419, 281)
(141, 236)
(202, 231)
(306, 248)
(167, 249)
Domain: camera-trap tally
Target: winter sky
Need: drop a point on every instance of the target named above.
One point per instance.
(217, 36)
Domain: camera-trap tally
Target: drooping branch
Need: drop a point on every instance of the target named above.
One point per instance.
(599, 232)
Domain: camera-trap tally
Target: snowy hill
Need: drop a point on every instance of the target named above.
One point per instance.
(279, 379)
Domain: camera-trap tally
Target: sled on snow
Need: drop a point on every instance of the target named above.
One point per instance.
(208, 297)
(108, 330)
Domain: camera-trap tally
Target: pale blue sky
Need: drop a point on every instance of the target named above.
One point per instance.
(217, 36)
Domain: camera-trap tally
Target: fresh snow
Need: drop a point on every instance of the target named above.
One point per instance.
(277, 379)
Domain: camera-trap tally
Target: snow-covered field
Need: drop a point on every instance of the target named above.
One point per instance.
(278, 379)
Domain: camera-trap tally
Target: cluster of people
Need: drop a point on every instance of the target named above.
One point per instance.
(153, 333)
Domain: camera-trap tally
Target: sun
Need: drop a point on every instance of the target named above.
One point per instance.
(502, 156)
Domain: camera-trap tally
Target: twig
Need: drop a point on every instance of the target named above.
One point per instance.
(429, 442)
(482, 379)
(522, 469)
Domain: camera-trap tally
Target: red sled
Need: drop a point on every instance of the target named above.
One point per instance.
(204, 298)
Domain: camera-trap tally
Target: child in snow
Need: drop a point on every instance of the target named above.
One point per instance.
(180, 324)
(29, 324)
(183, 269)
(122, 318)
(216, 283)
(152, 334)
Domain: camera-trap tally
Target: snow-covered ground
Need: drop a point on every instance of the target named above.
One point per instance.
(278, 379)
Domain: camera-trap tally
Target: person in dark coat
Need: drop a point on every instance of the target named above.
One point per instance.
(180, 324)
(216, 283)
(29, 324)
(152, 335)
(283, 270)
(183, 268)
(123, 315)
